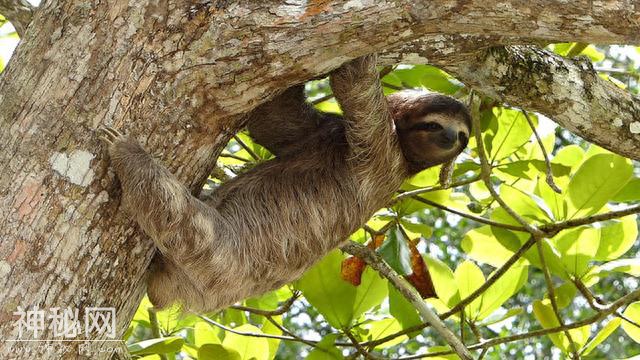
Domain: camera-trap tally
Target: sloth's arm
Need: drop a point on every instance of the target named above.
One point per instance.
(283, 122)
(368, 121)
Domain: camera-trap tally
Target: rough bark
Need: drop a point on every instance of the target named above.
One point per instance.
(177, 75)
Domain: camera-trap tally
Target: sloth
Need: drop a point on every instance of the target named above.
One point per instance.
(265, 227)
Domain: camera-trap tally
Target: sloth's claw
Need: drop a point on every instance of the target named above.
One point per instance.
(109, 135)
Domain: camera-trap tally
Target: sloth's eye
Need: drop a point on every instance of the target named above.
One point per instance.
(430, 126)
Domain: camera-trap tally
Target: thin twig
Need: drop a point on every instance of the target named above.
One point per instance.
(361, 350)
(279, 311)
(247, 148)
(322, 99)
(290, 333)
(547, 162)
(234, 156)
(252, 334)
(470, 216)
(555, 228)
(411, 193)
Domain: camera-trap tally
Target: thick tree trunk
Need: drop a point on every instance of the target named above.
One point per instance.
(178, 75)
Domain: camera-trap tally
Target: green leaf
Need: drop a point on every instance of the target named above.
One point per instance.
(443, 280)
(629, 266)
(384, 327)
(217, 352)
(565, 294)
(543, 312)
(325, 350)
(204, 334)
(415, 228)
(248, 347)
(630, 192)
(554, 201)
(551, 256)
(401, 309)
(483, 246)
(513, 131)
(469, 277)
(165, 345)
(577, 247)
(632, 312)
(269, 328)
(531, 169)
(597, 180)
(602, 335)
(371, 291)
(438, 80)
(526, 205)
(498, 316)
(571, 156)
(396, 253)
(593, 53)
(425, 178)
(617, 237)
(324, 288)
(505, 287)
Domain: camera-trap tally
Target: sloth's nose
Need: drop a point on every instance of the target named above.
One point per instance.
(449, 138)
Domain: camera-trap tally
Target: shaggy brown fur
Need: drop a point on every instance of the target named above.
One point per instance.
(264, 228)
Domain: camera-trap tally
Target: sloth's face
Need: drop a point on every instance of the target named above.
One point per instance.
(432, 139)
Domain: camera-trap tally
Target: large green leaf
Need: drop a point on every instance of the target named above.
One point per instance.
(630, 192)
(500, 315)
(165, 345)
(596, 182)
(632, 312)
(401, 309)
(601, 336)
(526, 205)
(552, 258)
(384, 327)
(483, 246)
(468, 278)
(505, 287)
(324, 288)
(543, 312)
(577, 247)
(269, 328)
(617, 237)
(371, 291)
(204, 334)
(512, 133)
(217, 352)
(532, 169)
(248, 347)
(443, 281)
(629, 266)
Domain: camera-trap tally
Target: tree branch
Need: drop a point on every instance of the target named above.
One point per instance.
(18, 12)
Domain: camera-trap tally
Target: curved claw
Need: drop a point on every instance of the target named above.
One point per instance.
(109, 134)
